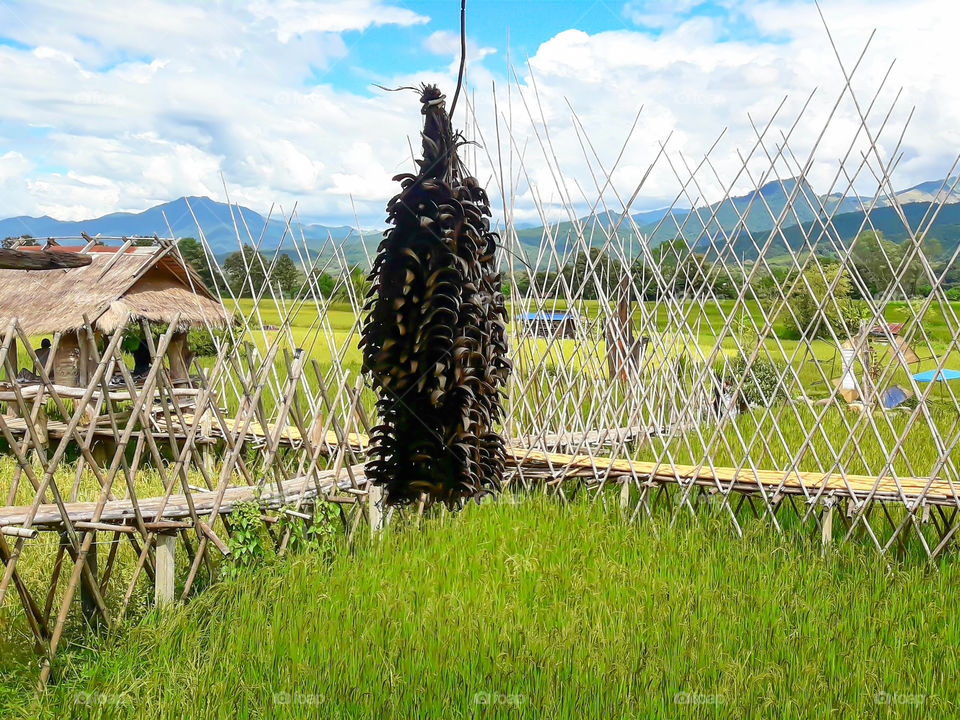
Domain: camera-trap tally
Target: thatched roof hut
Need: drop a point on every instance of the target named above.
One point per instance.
(139, 283)
(149, 283)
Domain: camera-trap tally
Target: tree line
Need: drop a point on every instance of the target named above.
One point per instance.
(245, 273)
(874, 267)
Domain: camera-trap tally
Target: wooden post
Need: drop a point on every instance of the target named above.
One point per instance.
(625, 495)
(82, 371)
(164, 585)
(206, 447)
(619, 336)
(88, 603)
(375, 509)
(11, 410)
(826, 523)
(12, 353)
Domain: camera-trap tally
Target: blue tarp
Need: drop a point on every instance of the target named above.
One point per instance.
(938, 375)
(557, 315)
(893, 396)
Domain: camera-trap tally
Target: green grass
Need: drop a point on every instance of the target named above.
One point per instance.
(544, 611)
(569, 610)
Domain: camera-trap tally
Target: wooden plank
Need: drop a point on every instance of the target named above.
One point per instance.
(41, 259)
(302, 488)
(19, 532)
(104, 527)
(118, 511)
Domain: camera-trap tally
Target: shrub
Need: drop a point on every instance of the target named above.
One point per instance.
(247, 549)
(318, 536)
(204, 343)
(762, 379)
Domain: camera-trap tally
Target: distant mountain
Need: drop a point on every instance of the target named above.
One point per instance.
(929, 191)
(219, 222)
(846, 227)
(756, 211)
(925, 192)
(760, 209)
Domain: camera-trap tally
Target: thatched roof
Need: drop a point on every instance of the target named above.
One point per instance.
(148, 283)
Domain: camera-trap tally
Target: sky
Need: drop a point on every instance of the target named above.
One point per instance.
(118, 106)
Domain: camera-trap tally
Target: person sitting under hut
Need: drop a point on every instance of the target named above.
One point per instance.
(141, 360)
(43, 354)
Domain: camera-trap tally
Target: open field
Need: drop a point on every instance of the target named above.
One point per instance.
(331, 340)
(548, 611)
(551, 605)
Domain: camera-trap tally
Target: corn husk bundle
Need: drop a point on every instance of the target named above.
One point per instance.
(434, 335)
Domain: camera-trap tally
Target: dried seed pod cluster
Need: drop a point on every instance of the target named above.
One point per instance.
(434, 335)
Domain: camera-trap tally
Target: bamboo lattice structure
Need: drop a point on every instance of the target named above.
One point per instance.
(653, 386)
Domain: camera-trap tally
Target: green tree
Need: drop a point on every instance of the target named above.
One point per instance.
(325, 283)
(193, 253)
(358, 283)
(915, 275)
(817, 309)
(286, 277)
(594, 273)
(245, 271)
(875, 260)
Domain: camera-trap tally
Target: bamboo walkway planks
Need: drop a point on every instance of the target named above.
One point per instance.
(48, 516)
(935, 491)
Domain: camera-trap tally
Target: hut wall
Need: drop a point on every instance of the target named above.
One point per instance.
(66, 362)
(177, 357)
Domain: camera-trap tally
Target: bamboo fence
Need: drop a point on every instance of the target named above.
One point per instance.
(644, 392)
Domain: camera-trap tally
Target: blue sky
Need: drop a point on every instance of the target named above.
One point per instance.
(119, 106)
(517, 26)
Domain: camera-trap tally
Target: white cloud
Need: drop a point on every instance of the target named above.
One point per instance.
(657, 13)
(444, 42)
(694, 85)
(122, 106)
(296, 17)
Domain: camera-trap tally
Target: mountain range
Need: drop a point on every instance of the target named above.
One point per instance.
(758, 211)
(220, 223)
(735, 219)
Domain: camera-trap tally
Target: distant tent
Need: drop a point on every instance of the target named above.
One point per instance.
(937, 375)
(546, 323)
(882, 330)
(893, 396)
(906, 352)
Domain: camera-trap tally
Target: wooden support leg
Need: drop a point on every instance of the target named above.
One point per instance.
(165, 569)
(206, 458)
(88, 603)
(375, 509)
(826, 524)
(625, 495)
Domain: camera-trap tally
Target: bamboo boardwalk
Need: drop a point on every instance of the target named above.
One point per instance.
(933, 491)
(534, 463)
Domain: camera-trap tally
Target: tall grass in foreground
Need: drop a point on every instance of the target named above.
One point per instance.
(535, 610)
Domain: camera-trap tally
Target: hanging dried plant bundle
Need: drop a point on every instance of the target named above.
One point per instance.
(434, 336)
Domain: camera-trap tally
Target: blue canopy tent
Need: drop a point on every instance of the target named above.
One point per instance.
(939, 376)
